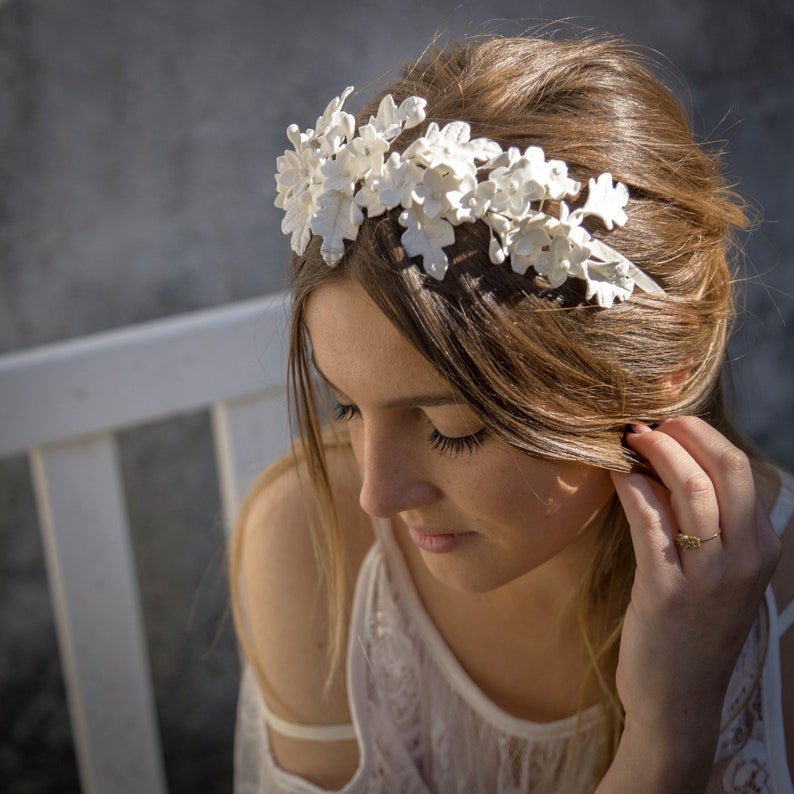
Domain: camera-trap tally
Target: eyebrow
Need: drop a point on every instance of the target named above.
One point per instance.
(407, 401)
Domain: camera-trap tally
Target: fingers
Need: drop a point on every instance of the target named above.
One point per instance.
(647, 507)
(746, 529)
(711, 490)
(710, 480)
(687, 503)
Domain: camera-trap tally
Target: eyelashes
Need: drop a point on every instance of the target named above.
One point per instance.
(457, 445)
(446, 445)
(344, 413)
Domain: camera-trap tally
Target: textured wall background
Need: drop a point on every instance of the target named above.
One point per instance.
(136, 150)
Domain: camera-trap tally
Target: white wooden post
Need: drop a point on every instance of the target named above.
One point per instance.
(249, 433)
(100, 630)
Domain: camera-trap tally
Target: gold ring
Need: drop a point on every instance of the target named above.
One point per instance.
(689, 542)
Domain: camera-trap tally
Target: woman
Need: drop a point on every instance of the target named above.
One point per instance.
(528, 553)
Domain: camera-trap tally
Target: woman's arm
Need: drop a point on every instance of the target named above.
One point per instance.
(690, 611)
(286, 611)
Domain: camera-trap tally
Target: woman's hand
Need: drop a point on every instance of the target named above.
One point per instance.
(690, 610)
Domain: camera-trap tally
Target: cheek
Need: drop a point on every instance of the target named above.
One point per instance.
(529, 491)
(580, 496)
(499, 489)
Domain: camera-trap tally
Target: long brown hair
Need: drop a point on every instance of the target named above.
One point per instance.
(546, 372)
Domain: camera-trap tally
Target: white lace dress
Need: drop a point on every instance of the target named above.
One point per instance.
(423, 726)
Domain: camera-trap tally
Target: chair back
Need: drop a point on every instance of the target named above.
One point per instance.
(63, 405)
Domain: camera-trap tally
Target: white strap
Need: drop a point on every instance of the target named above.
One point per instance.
(784, 506)
(309, 733)
(772, 708)
(779, 518)
(251, 697)
(786, 618)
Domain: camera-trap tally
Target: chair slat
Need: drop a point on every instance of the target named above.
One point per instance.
(249, 434)
(141, 373)
(94, 591)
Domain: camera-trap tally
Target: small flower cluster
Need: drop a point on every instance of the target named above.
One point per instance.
(333, 174)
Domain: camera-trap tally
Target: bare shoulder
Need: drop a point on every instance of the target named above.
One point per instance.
(286, 609)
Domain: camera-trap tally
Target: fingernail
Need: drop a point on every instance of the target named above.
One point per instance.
(641, 428)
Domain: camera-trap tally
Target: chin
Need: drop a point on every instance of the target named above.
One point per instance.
(472, 578)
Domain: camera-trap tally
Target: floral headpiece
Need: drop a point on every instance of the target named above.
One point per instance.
(333, 174)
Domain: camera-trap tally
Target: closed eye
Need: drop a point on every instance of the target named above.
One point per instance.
(457, 445)
(447, 445)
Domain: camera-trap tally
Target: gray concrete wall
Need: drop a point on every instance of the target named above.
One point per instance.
(137, 142)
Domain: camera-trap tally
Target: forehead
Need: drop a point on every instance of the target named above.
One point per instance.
(358, 349)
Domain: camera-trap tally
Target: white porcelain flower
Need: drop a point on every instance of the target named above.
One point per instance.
(559, 184)
(336, 218)
(427, 237)
(391, 120)
(522, 179)
(608, 282)
(515, 190)
(451, 147)
(606, 201)
(296, 222)
(295, 173)
(334, 127)
(528, 242)
(504, 158)
(564, 258)
(332, 109)
(474, 204)
(368, 149)
(440, 193)
(368, 198)
(393, 187)
(334, 138)
(340, 173)
(569, 225)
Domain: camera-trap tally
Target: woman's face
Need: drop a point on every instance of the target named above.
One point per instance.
(481, 512)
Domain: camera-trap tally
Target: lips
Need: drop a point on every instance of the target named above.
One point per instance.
(437, 541)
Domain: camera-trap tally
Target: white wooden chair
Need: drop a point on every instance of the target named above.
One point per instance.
(62, 405)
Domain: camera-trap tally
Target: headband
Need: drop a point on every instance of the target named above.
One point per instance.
(333, 174)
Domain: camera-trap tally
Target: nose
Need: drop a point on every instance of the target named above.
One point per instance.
(393, 477)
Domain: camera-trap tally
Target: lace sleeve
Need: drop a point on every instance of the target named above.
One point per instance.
(751, 757)
(251, 763)
(255, 770)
